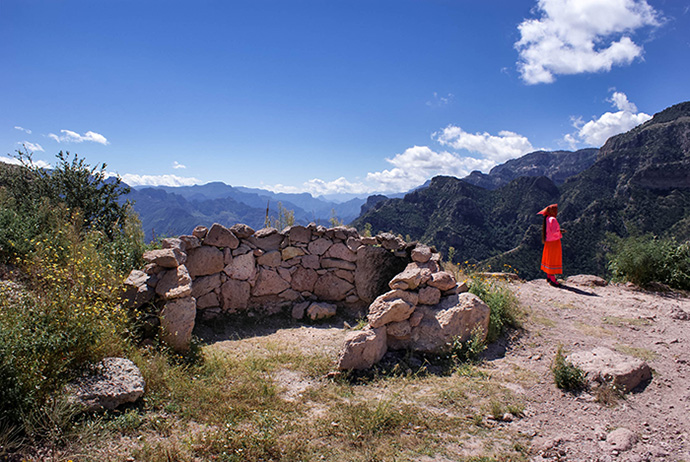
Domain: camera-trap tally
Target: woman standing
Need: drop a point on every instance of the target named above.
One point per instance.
(551, 259)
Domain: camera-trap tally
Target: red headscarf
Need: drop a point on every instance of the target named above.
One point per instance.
(550, 211)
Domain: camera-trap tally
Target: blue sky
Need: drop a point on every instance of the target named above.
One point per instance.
(330, 96)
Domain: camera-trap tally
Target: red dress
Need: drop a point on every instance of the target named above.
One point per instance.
(551, 258)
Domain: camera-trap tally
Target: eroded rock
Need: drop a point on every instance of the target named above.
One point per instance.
(112, 382)
(362, 349)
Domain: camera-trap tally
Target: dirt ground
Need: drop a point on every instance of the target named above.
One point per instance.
(654, 326)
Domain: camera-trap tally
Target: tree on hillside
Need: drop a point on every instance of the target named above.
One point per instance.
(80, 187)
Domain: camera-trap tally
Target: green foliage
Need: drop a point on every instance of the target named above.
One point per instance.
(34, 202)
(80, 187)
(70, 317)
(646, 259)
(502, 302)
(73, 243)
(469, 350)
(567, 376)
(367, 230)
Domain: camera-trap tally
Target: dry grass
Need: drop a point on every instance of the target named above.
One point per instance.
(240, 405)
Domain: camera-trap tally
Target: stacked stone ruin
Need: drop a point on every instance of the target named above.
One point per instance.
(426, 310)
(308, 271)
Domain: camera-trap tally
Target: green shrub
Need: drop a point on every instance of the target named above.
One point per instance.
(503, 303)
(73, 243)
(647, 259)
(567, 376)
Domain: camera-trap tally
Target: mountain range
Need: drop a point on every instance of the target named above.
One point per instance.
(168, 210)
(171, 211)
(638, 182)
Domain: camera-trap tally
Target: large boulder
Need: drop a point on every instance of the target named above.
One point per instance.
(602, 365)
(331, 287)
(303, 279)
(393, 306)
(241, 230)
(391, 242)
(205, 284)
(137, 290)
(375, 268)
(341, 252)
(112, 382)
(269, 282)
(167, 258)
(362, 349)
(242, 267)
(267, 239)
(220, 236)
(456, 316)
(177, 322)
(319, 246)
(421, 253)
(235, 295)
(320, 310)
(174, 283)
(299, 233)
(205, 260)
(411, 278)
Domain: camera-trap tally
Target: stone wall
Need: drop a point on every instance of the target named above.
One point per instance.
(425, 310)
(309, 270)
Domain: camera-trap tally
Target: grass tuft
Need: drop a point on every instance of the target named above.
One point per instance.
(567, 376)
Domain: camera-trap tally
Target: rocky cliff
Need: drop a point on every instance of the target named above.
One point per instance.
(558, 166)
(639, 183)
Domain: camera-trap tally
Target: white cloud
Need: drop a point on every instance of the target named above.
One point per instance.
(36, 163)
(32, 147)
(22, 129)
(438, 100)
(318, 187)
(68, 136)
(578, 36)
(410, 169)
(177, 165)
(596, 131)
(419, 163)
(507, 145)
(620, 101)
(158, 180)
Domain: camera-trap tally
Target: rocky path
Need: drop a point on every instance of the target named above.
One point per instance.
(651, 423)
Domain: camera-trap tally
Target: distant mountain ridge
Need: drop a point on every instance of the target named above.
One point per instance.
(174, 210)
(639, 182)
(558, 166)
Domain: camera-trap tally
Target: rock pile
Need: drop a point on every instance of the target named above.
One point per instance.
(310, 270)
(425, 310)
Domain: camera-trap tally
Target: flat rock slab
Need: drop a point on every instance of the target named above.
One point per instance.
(113, 382)
(587, 280)
(606, 366)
